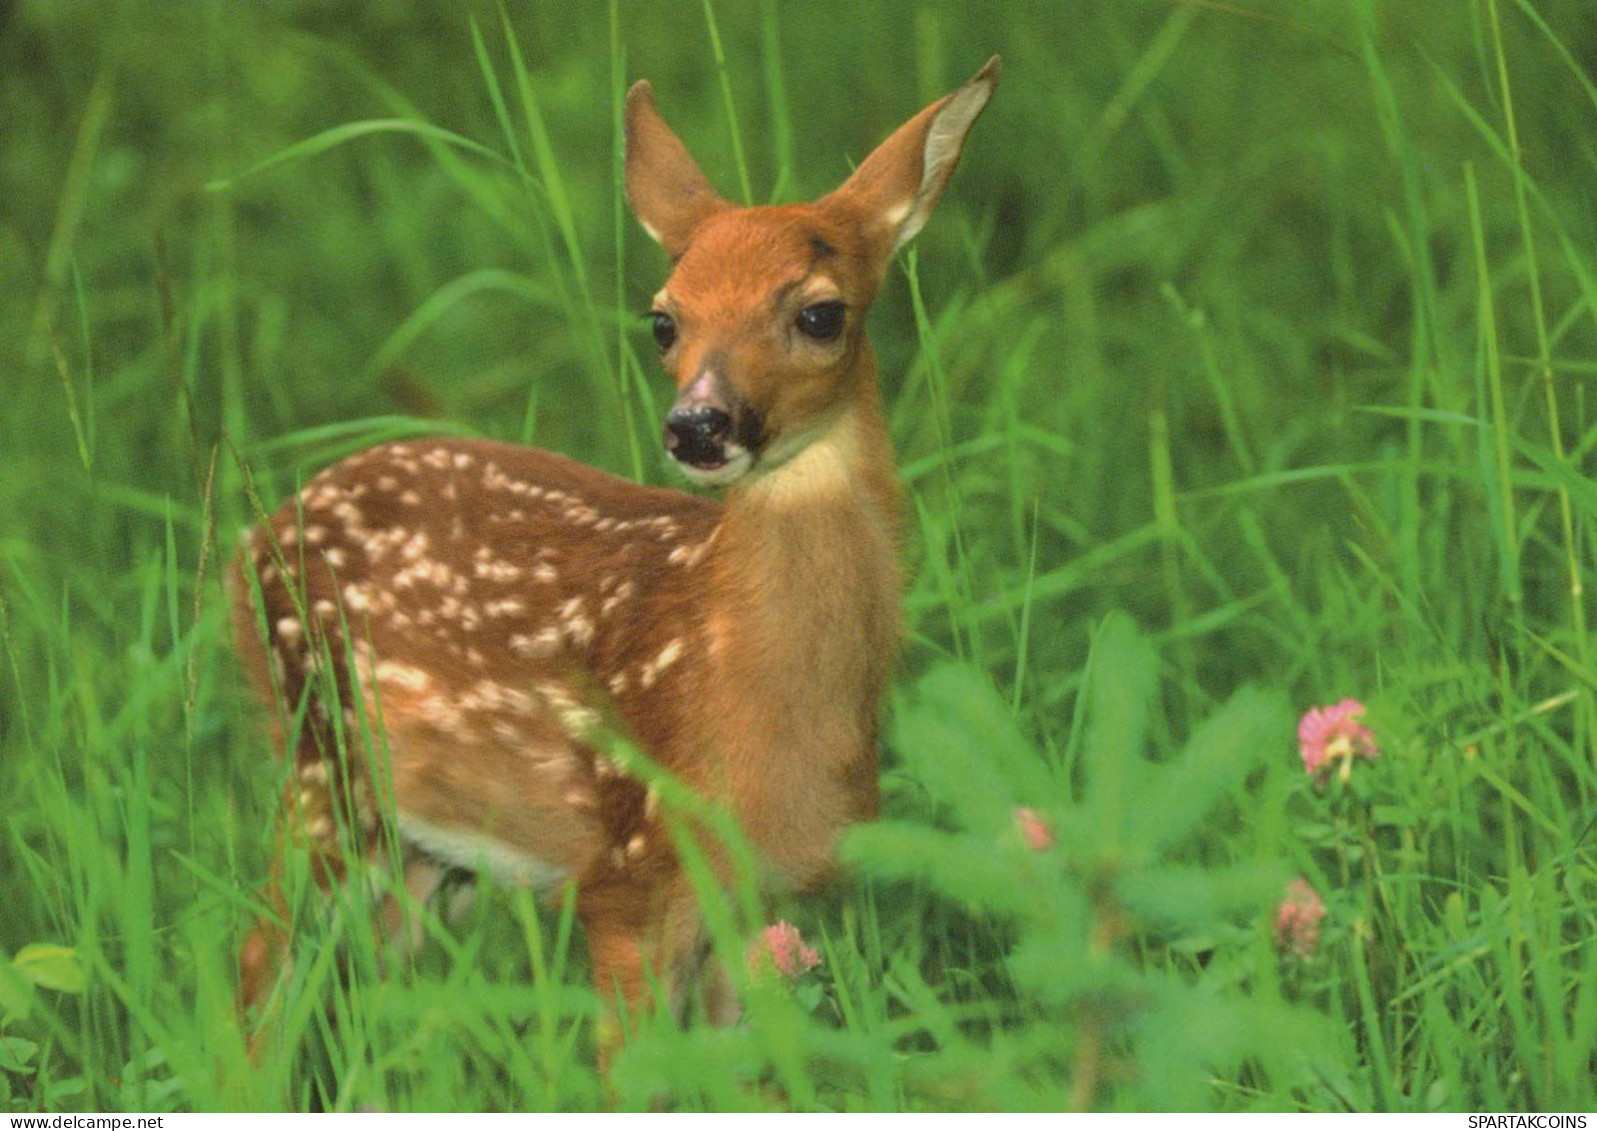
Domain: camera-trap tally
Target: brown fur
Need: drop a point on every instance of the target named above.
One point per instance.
(451, 619)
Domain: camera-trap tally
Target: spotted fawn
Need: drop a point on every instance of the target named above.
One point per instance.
(440, 625)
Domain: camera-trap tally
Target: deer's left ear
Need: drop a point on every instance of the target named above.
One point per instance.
(898, 185)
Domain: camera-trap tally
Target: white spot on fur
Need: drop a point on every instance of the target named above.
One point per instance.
(622, 593)
(444, 714)
(653, 669)
(668, 655)
(320, 494)
(580, 631)
(496, 571)
(407, 676)
(574, 718)
(543, 643)
(509, 732)
(691, 555)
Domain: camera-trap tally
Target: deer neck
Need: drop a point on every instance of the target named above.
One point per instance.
(825, 518)
(808, 554)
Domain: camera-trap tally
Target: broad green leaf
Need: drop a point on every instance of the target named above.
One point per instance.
(52, 967)
(67, 1089)
(15, 1053)
(16, 991)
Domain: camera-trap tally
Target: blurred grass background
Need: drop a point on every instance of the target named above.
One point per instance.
(1267, 325)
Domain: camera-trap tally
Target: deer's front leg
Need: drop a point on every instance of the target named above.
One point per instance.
(643, 933)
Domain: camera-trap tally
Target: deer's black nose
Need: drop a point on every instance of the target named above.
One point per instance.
(697, 434)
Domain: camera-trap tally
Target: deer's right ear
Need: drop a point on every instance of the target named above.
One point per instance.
(669, 195)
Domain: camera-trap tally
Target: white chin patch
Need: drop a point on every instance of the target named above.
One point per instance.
(738, 462)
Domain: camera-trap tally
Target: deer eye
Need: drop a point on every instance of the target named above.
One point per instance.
(665, 329)
(822, 321)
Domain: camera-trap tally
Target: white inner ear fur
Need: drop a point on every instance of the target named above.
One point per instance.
(944, 140)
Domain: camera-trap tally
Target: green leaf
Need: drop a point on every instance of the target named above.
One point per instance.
(52, 967)
(15, 1053)
(69, 1088)
(961, 866)
(940, 754)
(959, 739)
(1394, 816)
(1122, 672)
(1282, 1042)
(1220, 754)
(16, 992)
(1056, 963)
(350, 131)
(1189, 898)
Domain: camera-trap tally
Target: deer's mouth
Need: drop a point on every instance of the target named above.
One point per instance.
(732, 463)
(714, 438)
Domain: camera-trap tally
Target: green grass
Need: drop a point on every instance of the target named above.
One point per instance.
(1244, 367)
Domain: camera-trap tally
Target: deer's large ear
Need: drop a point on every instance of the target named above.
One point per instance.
(669, 195)
(898, 185)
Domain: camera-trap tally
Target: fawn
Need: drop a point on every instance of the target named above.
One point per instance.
(480, 606)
